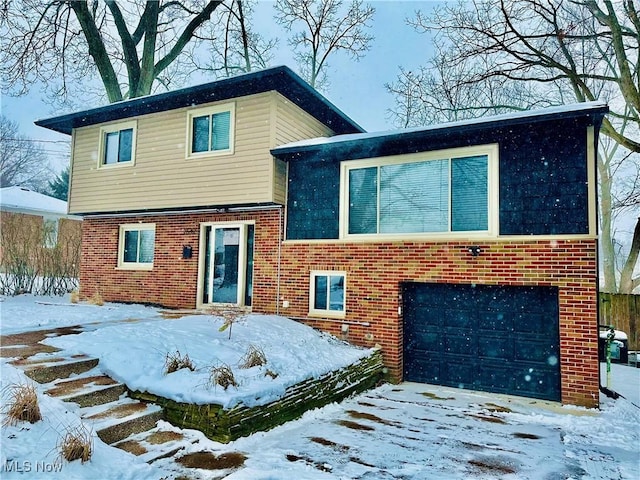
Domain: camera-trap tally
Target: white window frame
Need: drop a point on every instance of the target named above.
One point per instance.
(318, 312)
(490, 150)
(116, 127)
(209, 111)
(127, 227)
(50, 239)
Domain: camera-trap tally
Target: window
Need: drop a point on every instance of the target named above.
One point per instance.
(434, 192)
(211, 130)
(327, 293)
(117, 144)
(136, 246)
(50, 232)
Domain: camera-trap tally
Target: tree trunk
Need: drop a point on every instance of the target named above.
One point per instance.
(606, 242)
(627, 282)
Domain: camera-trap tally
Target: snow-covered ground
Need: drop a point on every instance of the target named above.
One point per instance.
(409, 431)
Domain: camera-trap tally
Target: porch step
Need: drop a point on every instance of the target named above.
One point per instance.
(45, 368)
(115, 421)
(87, 390)
(160, 442)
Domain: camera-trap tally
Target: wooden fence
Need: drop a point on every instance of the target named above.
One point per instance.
(623, 312)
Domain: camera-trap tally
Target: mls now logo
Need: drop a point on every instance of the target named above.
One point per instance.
(26, 466)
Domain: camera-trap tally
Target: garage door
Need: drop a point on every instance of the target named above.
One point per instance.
(502, 339)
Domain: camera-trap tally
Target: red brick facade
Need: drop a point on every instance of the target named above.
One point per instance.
(375, 273)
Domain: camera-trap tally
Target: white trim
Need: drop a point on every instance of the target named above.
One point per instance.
(209, 111)
(591, 181)
(127, 227)
(117, 127)
(490, 150)
(318, 312)
(242, 260)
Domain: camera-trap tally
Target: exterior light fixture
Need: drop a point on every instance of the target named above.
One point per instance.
(475, 250)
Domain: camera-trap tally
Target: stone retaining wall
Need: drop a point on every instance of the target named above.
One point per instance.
(226, 425)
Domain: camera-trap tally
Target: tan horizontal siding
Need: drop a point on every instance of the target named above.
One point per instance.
(163, 177)
(293, 124)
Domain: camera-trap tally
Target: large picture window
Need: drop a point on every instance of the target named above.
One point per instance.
(136, 247)
(327, 293)
(117, 144)
(437, 192)
(211, 130)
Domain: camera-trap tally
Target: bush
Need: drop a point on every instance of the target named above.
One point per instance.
(175, 361)
(254, 357)
(22, 405)
(31, 263)
(77, 444)
(222, 375)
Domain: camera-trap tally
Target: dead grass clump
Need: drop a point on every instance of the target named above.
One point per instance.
(175, 361)
(222, 375)
(271, 373)
(254, 357)
(74, 297)
(22, 405)
(77, 444)
(96, 299)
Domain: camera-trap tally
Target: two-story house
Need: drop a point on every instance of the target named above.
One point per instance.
(467, 251)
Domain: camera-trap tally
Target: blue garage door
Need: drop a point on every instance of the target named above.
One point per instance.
(502, 339)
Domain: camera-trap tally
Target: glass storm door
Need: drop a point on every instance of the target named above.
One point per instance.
(228, 265)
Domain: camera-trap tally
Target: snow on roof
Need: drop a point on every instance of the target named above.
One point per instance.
(506, 117)
(21, 198)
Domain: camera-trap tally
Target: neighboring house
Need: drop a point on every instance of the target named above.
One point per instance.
(35, 230)
(467, 251)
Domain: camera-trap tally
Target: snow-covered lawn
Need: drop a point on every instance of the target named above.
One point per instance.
(410, 431)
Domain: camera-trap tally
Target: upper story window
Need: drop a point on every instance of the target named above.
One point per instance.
(447, 191)
(137, 245)
(211, 130)
(117, 144)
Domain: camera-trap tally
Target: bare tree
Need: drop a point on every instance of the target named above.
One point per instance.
(132, 46)
(499, 56)
(22, 160)
(238, 48)
(327, 26)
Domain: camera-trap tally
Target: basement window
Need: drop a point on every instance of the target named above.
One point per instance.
(327, 293)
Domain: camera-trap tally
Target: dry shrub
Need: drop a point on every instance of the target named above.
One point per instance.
(175, 361)
(22, 405)
(229, 317)
(74, 297)
(222, 375)
(254, 357)
(96, 299)
(77, 444)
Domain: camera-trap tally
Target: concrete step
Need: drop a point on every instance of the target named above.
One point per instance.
(87, 390)
(160, 442)
(45, 368)
(117, 420)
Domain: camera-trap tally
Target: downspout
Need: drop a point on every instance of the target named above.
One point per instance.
(280, 227)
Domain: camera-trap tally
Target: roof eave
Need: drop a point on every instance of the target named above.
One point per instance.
(281, 79)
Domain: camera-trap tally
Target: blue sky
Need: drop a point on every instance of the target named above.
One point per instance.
(357, 88)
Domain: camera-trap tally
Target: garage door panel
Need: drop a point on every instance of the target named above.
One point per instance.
(496, 338)
(498, 347)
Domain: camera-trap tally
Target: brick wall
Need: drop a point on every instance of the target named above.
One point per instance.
(173, 280)
(375, 273)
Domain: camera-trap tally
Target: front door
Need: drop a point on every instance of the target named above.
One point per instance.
(227, 273)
